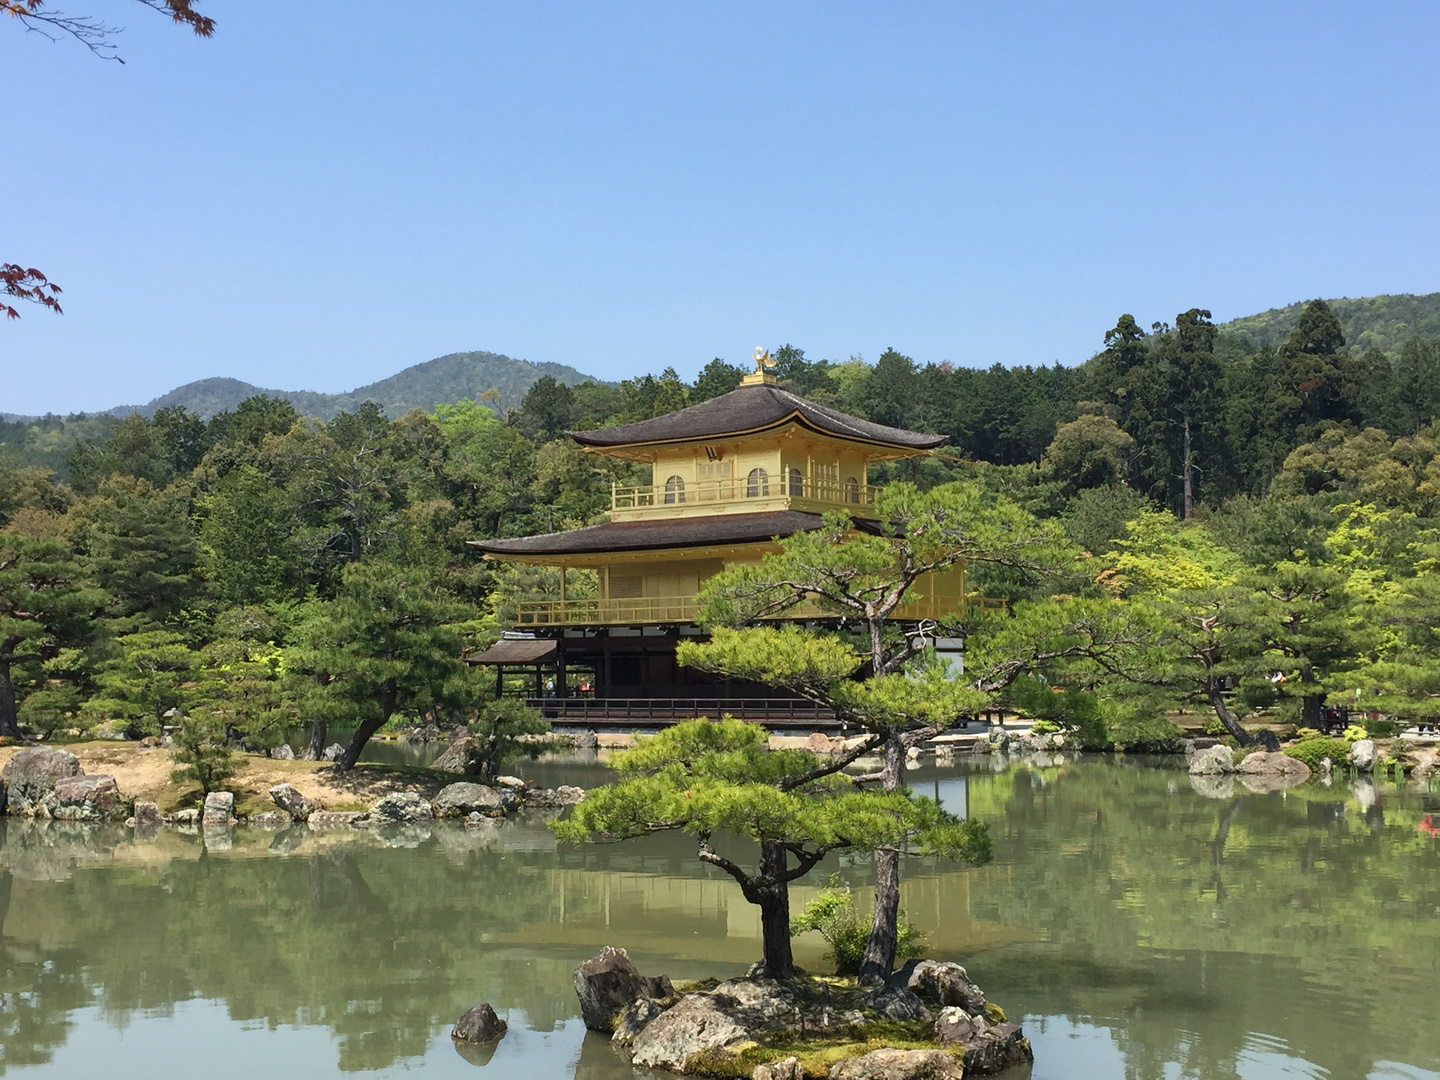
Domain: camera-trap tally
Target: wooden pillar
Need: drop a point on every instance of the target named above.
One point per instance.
(499, 681)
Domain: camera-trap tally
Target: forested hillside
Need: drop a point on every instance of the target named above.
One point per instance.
(1295, 490)
(1370, 322)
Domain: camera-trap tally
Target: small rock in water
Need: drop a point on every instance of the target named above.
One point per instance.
(186, 818)
(147, 815)
(509, 782)
(540, 798)
(587, 740)
(569, 795)
(890, 1064)
(479, 1024)
(1362, 755)
(291, 801)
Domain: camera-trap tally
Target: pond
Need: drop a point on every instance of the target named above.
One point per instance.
(1139, 928)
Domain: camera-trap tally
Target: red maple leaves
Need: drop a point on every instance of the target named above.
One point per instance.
(19, 283)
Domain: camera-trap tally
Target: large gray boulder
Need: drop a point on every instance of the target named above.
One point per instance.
(1213, 761)
(479, 1024)
(148, 816)
(899, 1065)
(568, 795)
(714, 1023)
(989, 1047)
(219, 809)
(464, 798)
(87, 798)
(609, 982)
(1263, 772)
(1262, 763)
(401, 808)
(461, 757)
(941, 983)
(1362, 755)
(292, 802)
(897, 1003)
(30, 775)
(634, 1019)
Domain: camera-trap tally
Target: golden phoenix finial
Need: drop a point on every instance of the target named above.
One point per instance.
(763, 360)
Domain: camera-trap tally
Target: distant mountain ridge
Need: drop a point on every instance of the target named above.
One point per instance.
(444, 380)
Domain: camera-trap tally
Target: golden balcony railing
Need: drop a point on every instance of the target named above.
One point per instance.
(741, 489)
(629, 611)
(653, 610)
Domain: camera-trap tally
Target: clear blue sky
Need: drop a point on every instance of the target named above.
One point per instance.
(328, 191)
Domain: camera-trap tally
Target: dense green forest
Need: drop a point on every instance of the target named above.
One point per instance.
(147, 564)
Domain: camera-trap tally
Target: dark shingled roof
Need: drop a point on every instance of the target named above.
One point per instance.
(660, 533)
(751, 409)
(516, 651)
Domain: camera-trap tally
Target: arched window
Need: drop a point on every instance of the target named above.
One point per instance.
(797, 482)
(675, 490)
(852, 490)
(757, 484)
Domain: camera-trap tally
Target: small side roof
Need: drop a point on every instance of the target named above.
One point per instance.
(749, 410)
(516, 651)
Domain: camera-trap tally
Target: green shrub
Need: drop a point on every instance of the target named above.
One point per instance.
(1383, 729)
(503, 730)
(1215, 728)
(1306, 733)
(1312, 750)
(832, 914)
(203, 749)
(1045, 727)
(1354, 733)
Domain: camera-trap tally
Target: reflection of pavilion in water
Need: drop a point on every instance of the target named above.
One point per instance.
(730, 477)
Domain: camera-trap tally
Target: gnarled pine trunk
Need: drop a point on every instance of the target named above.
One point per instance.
(368, 728)
(774, 903)
(879, 957)
(1217, 701)
(319, 729)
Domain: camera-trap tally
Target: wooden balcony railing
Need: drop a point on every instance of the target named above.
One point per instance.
(741, 489)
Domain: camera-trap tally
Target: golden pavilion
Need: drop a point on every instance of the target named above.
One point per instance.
(729, 478)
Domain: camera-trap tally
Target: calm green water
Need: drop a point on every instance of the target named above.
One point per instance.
(1141, 930)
